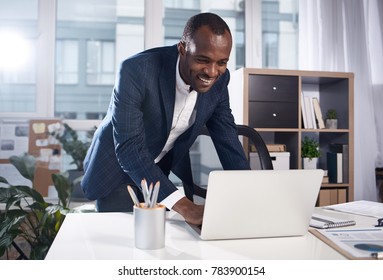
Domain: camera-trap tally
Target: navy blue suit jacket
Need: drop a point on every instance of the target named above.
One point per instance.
(138, 123)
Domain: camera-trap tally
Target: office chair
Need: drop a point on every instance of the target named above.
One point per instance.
(255, 138)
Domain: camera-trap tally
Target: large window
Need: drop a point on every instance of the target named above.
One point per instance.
(73, 48)
(280, 34)
(67, 60)
(18, 34)
(92, 37)
(100, 62)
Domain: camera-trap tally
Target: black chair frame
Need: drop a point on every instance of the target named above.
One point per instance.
(260, 146)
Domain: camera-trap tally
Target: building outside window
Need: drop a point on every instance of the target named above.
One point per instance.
(67, 59)
(18, 34)
(92, 37)
(72, 49)
(100, 62)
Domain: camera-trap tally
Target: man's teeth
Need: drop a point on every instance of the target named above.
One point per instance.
(206, 81)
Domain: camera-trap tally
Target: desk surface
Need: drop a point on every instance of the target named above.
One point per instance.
(92, 236)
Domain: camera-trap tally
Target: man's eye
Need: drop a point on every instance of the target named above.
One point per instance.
(222, 63)
(202, 61)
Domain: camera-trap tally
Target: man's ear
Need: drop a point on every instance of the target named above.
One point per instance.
(181, 47)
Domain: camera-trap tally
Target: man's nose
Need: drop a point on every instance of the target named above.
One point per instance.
(211, 70)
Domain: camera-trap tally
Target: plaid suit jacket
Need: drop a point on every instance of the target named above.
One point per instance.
(138, 123)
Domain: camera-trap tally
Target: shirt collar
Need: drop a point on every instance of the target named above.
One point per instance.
(180, 84)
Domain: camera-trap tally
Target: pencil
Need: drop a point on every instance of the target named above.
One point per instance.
(133, 196)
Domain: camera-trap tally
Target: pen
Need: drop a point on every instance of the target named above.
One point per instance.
(155, 194)
(133, 196)
(147, 200)
(145, 191)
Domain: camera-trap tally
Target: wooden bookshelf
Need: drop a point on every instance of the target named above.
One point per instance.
(270, 101)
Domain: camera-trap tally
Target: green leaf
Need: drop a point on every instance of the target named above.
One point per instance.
(63, 187)
(7, 239)
(36, 206)
(27, 215)
(39, 252)
(5, 194)
(25, 164)
(52, 209)
(25, 191)
(11, 219)
(3, 180)
(13, 200)
(310, 148)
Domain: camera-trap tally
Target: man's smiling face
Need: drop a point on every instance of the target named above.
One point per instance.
(204, 58)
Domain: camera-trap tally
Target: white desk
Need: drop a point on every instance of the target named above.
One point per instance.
(92, 236)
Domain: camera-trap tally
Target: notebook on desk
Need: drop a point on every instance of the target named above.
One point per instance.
(259, 203)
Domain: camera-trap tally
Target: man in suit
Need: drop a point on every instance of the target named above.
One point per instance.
(161, 99)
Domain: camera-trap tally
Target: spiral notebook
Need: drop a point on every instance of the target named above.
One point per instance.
(323, 222)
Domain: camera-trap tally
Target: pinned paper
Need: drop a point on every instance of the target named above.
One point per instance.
(42, 142)
(45, 154)
(38, 128)
(54, 127)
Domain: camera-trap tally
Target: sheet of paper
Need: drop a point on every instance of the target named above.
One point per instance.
(360, 207)
(13, 138)
(360, 243)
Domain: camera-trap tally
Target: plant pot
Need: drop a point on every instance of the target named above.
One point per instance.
(310, 163)
(331, 123)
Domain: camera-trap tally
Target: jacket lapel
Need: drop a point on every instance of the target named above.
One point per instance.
(168, 85)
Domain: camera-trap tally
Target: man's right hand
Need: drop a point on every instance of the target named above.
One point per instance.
(191, 212)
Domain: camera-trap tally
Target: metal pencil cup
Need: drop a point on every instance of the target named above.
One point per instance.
(149, 227)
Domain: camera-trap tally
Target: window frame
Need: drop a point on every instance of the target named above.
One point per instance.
(45, 47)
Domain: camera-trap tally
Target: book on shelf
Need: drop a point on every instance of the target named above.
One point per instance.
(318, 113)
(343, 149)
(303, 109)
(311, 111)
(271, 148)
(335, 167)
(276, 147)
(323, 221)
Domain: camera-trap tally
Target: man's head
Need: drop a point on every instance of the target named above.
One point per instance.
(204, 50)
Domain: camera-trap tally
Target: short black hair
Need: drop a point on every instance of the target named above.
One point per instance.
(216, 24)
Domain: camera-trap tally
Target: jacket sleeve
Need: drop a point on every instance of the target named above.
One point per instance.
(129, 109)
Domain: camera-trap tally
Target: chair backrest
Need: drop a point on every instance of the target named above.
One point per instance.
(256, 139)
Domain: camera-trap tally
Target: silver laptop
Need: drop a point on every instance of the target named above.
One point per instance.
(259, 203)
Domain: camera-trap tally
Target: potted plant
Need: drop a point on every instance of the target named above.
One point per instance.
(27, 217)
(310, 153)
(332, 119)
(76, 149)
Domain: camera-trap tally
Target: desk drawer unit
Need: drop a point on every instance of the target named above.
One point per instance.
(273, 101)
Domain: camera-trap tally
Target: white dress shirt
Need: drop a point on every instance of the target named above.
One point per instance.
(183, 118)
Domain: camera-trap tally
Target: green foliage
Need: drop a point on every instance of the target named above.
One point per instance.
(310, 148)
(72, 145)
(27, 215)
(332, 114)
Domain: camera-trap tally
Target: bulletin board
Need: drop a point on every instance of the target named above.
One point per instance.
(44, 146)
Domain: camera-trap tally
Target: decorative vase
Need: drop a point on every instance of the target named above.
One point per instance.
(331, 123)
(310, 163)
